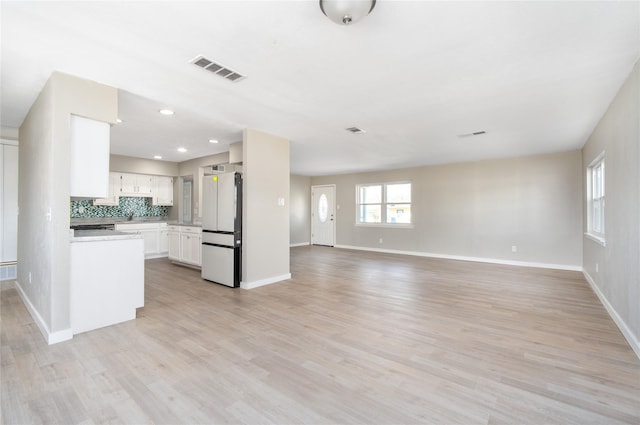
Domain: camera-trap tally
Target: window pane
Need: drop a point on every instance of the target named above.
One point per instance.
(370, 214)
(399, 213)
(370, 194)
(597, 217)
(397, 193)
(323, 208)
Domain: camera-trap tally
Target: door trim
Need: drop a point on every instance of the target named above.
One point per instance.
(335, 215)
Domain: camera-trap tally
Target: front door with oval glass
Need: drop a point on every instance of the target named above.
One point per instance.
(323, 215)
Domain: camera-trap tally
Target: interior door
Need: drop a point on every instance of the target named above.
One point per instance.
(323, 213)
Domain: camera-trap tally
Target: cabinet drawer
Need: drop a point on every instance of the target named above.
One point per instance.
(186, 229)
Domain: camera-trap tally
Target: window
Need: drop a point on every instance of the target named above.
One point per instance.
(388, 203)
(595, 199)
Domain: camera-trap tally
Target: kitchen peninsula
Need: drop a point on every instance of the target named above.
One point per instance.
(107, 278)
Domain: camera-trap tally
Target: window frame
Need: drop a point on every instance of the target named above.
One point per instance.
(383, 205)
(596, 198)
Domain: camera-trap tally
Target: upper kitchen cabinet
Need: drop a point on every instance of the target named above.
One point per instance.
(162, 191)
(89, 158)
(114, 191)
(136, 185)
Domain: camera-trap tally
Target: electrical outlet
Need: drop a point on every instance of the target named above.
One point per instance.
(514, 248)
(380, 240)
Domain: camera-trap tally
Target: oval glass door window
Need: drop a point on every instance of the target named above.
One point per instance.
(323, 208)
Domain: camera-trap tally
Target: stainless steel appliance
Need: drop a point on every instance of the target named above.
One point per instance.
(222, 228)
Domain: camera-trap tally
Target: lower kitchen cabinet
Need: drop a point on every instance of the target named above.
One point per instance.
(185, 244)
(155, 237)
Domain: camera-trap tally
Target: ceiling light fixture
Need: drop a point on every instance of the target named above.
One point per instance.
(182, 150)
(118, 120)
(346, 12)
(157, 157)
(166, 111)
(213, 141)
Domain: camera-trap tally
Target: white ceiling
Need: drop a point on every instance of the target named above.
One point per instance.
(536, 76)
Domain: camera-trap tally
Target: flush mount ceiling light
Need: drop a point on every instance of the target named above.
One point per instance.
(166, 111)
(182, 150)
(346, 12)
(157, 157)
(213, 141)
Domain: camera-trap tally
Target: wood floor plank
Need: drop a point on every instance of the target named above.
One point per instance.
(352, 338)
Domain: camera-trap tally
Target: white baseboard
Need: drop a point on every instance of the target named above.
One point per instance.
(464, 258)
(267, 281)
(50, 337)
(628, 334)
(293, 245)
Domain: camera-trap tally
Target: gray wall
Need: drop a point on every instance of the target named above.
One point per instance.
(190, 169)
(265, 256)
(128, 164)
(44, 173)
(618, 275)
(300, 209)
(479, 210)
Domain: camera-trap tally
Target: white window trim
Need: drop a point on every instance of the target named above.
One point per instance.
(383, 204)
(595, 236)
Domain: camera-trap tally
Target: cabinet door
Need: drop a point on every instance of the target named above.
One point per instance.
(174, 245)
(150, 241)
(89, 157)
(163, 241)
(163, 190)
(129, 184)
(191, 245)
(144, 184)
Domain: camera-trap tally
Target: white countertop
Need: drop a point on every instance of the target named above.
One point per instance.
(100, 235)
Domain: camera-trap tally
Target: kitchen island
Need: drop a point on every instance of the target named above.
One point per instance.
(107, 278)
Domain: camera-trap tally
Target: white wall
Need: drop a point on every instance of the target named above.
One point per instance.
(300, 209)
(617, 280)
(265, 227)
(44, 185)
(479, 210)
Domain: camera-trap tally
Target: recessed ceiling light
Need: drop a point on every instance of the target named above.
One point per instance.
(166, 111)
(118, 120)
(213, 141)
(157, 157)
(182, 150)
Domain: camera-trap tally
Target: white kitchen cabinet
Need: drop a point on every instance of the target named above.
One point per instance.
(114, 191)
(162, 190)
(163, 239)
(173, 236)
(89, 158)
(152, 234)
(191, 244)
(136, 184)
(185, 244)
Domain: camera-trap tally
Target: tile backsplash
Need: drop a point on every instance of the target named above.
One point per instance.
(140, 207)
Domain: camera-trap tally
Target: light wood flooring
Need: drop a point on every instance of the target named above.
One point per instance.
(353, 338)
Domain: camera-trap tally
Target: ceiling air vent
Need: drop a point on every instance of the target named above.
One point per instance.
(355, 130)
(217, 69)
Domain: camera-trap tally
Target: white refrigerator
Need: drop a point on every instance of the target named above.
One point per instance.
(222, 228)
